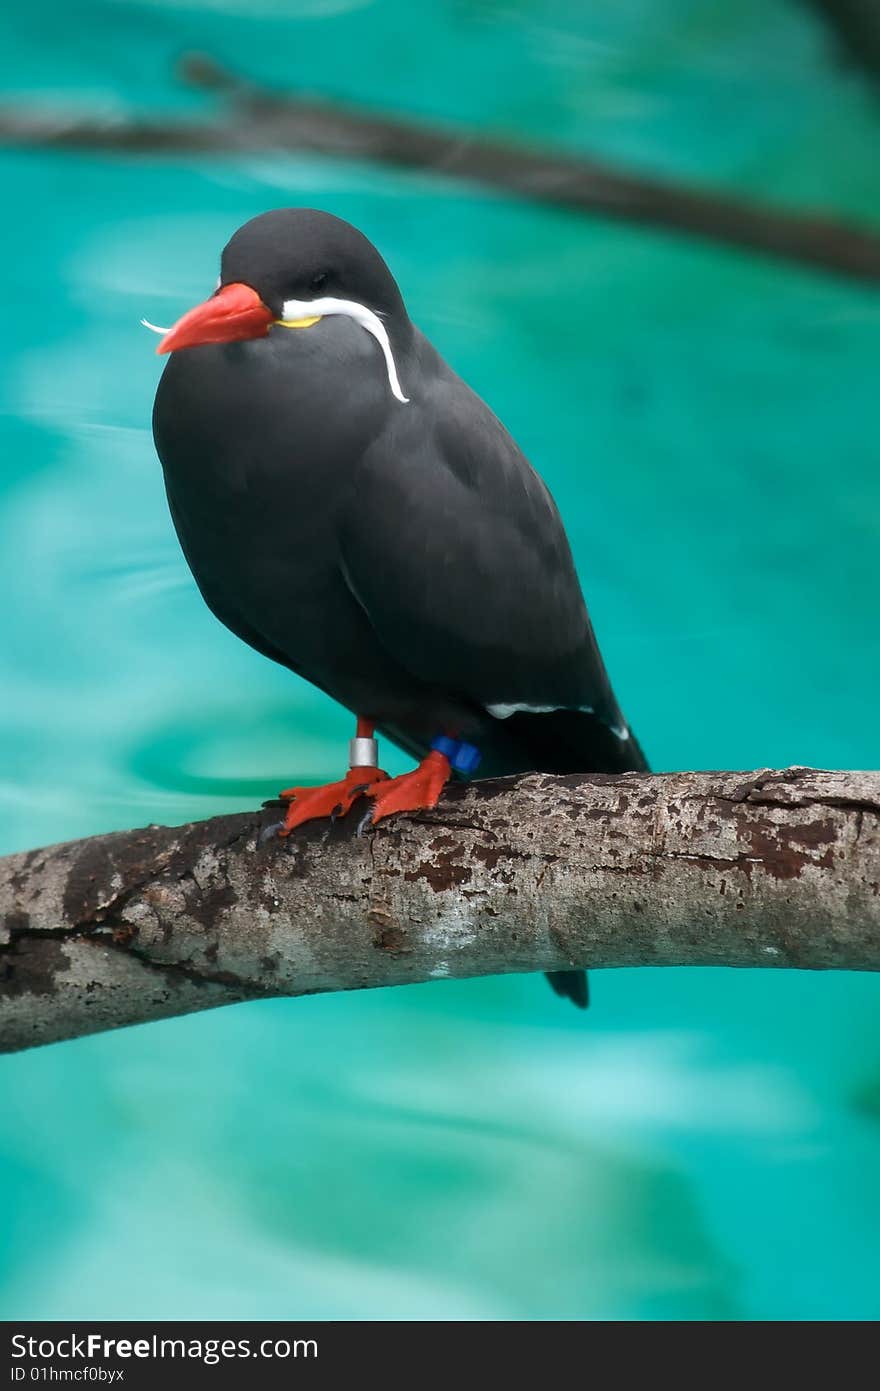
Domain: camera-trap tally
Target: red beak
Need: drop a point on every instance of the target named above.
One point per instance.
(234, 312)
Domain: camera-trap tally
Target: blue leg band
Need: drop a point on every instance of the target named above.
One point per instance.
(464, 758)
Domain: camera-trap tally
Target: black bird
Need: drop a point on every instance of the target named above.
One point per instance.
(350, 508)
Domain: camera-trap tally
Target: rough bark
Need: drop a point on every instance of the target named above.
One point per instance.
(528, 874)
(260, 120)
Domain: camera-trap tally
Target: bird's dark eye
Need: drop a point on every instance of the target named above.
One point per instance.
(318, 281)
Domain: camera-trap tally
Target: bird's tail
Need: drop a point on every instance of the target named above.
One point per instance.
(561, 741)
(571, 985)
(556, 741)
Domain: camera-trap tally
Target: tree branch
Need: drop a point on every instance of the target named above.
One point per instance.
(856, 28)
(262, 120)
(517, 874)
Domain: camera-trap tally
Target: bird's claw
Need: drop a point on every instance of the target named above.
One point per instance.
(418, 790)
(332, 801)
(414, 791)
(269, 832)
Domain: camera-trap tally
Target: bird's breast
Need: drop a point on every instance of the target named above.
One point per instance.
(298, 402)
(260, 444)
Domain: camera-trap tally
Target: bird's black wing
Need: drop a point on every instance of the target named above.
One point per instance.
(454, 548)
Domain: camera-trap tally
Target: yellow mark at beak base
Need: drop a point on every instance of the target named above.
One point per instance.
(299, 323)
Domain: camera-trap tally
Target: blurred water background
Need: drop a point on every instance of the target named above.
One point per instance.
(703, 1144)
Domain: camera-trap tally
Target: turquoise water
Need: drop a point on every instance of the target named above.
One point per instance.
(704, 1144)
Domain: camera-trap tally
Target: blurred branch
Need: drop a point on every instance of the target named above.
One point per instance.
(264, 121)
(856, 27)
(519, 874)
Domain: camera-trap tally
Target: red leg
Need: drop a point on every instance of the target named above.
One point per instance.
(415, 791)
(334, 798)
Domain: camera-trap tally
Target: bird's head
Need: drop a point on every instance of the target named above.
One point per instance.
(287, 270)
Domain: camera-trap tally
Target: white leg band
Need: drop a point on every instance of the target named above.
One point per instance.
(363, 753)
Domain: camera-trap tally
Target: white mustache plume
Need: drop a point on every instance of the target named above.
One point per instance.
(303, 309)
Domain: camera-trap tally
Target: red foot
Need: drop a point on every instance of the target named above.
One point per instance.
(415, 791)
(333, 799)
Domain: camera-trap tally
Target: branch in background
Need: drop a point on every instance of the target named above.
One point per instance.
(262, 121)
(518, 874)
(856, 26)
